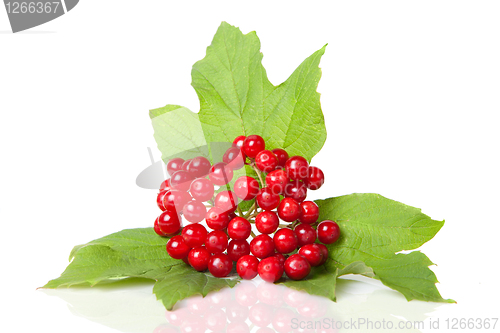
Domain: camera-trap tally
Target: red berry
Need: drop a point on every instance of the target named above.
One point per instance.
(262, 246)
(202, 189)
(309, 212)
(246, 188)
(181, 180)
(305, 234)
(216, 241)
(328, 232)
(220, 265)
(266, 161)
(159, 199)
(175, 200)
(239, 228)
(297, 168)
(238, 248)
(267, 222)
(238, 142)
(252, 145)
(270, 269)
(169, 222)
(277, 181)
(185, 165)
(226, 200)
(174, 165)
(285, 240)
(234, 158)
(282, 156)
(185, 259)
(165, 186)
(194, 235)
(220, 174)
(157, 229)
(217, 219)
(199, 167)
(267, 200)
(288, 210)
(296, 190)
(280, 257)
(198, 258)
(177, 247)
(312, 253)
(297, 267)
(315, 178)
(247, 267)
(194, 211)
(324, 253)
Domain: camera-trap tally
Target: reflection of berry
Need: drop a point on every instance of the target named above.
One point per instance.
(286, 221)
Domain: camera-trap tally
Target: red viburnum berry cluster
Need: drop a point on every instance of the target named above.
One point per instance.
(191, 192)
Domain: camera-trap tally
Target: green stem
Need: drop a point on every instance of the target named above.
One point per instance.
(240, 213)
(253, 234)
(250, 211)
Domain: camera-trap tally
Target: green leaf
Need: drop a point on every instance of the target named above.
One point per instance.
(136, 253)
(178, 132)
(236, 97)
(321, 281)
(373, 229)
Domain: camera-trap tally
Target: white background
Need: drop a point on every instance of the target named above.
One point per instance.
(410, 93)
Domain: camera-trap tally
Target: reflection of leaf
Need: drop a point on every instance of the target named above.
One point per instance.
(373, 229)
(136, 253)
(178, 132)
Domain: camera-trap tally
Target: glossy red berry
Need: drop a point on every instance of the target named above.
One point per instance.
(296, 190)
(216, 241)
(238, 248)
(253, 145)
(238, 142)
(199, 167)
(165, 185)
(282, 156)
(174, 165)
(194, 211)
(220, 265)
(175, 200)
(247, 267)
(159, 199)
(281, 258)
(267, 222)
(270, 269)
(288, 210)
(309, 212)
(328, 232)
(315, 178)
(262, 246)
(246, 188)
(267, 200)
(220, 174)
(266, 161)
(194, 235)
(169, 222)
(198, 258)
(324, 253)
(297, 267)
(201, 189)
(285, 240)
(181, 180)
(277, 181)
(177, 247)
(217, 219)
(239, 228)
(185, 165)
(312, 253)
(297, 168)
(158, 230)
(226, 200)
(305, 234)
(234, 158)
